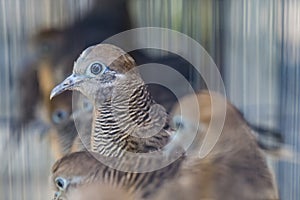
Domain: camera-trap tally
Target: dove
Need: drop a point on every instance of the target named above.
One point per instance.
(235, 168)
(125, 118)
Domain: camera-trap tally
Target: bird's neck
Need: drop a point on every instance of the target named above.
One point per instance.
(129, 121)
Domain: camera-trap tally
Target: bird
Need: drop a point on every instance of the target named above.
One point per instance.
(122, 107)
(235, 168)
(125, 118)
(78, 176)
(124, 113)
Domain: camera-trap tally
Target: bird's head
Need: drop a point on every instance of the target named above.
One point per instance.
(72, 171)
(97, 71)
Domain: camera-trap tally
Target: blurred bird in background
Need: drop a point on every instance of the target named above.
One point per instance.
(268, 140)
(235, 168)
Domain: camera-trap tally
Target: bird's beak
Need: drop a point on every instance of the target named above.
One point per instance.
(68, 84)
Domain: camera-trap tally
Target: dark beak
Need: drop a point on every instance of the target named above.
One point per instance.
(68, 84)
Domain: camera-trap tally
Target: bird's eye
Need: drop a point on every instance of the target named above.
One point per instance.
(59, 116)
(96, 68)
(61, 183)
(179, 124)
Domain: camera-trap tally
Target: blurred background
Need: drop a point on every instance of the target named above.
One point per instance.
(255, 44)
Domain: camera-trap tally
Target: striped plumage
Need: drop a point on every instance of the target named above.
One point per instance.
(117, 124)
(82, 168)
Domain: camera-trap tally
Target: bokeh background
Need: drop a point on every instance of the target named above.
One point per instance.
(255, 44)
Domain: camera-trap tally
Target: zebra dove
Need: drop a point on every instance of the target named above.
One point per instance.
(122, 105)
(80, 176)
(125, 118)
(79, 172)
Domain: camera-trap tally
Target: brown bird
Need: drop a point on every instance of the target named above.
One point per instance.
(80, 176)
(125, 118)
(123, 108)
(234, 169)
